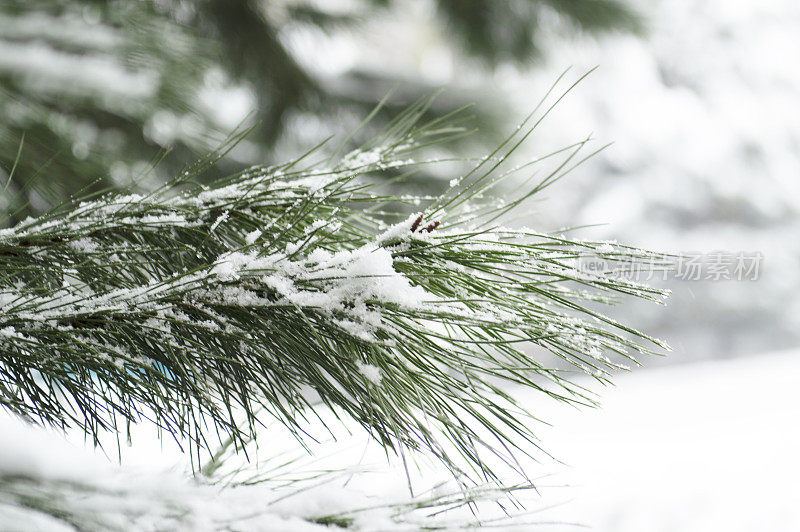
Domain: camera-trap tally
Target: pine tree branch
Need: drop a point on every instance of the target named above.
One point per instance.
(196, 306)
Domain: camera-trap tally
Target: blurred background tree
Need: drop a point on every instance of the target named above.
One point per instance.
(91, 91)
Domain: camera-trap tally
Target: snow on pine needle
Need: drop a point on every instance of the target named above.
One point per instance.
(195, 307)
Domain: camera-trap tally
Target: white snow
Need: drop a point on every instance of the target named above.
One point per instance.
(48, 70)
(252, 236)
(340, 284)
(359, 158)
(605, 248)
(35, 463)
(11, 332)
(28, 452)
(697, 447)
(84, 245)
(372, 373)
(67, 28)
(220, 219)
(351, 278)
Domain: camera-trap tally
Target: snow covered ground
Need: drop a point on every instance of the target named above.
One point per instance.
(707, 446)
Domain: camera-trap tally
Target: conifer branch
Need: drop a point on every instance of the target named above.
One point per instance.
(195, 306)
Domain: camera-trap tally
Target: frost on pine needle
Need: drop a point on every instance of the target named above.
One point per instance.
(196, 306)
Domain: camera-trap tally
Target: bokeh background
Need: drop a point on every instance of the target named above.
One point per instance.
(700, 98)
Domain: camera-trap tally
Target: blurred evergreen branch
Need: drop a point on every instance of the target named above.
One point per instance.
(98, 86)
(509, 31)
(122, 501)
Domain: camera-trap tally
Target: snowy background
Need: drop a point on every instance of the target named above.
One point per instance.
(704, 112)
(704, 116)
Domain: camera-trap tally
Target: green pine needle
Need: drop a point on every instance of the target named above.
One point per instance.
(195, 307)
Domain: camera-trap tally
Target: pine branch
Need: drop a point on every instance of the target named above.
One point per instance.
(195, 306)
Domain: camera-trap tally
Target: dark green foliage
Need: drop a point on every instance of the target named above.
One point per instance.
(497, 31)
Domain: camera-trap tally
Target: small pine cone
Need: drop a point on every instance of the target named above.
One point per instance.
(431, 227)
(416, 223)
